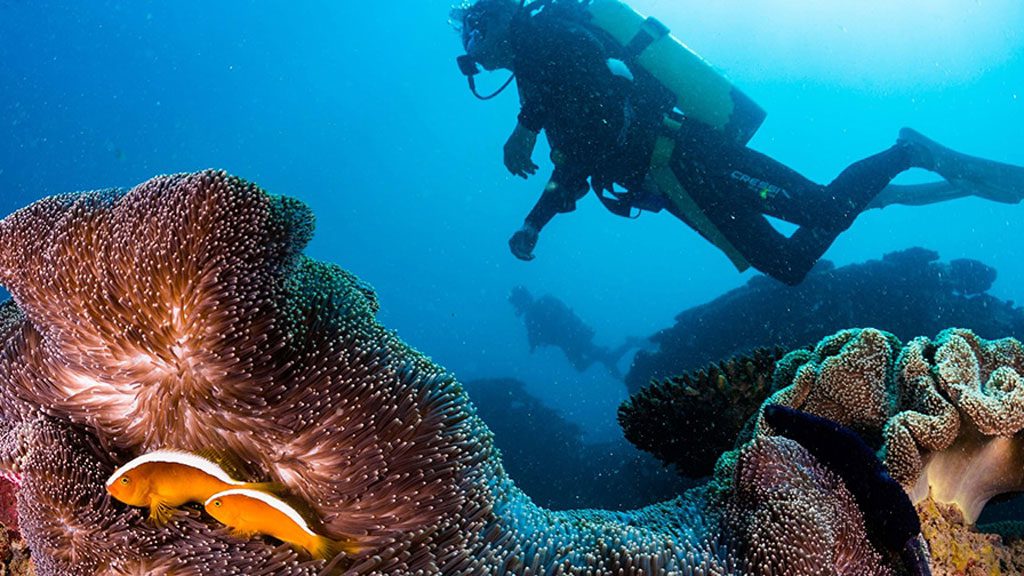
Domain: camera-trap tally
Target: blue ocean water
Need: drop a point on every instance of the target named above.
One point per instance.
(358, 110)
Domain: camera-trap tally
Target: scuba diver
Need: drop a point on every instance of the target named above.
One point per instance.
(549, 322)
(632, 114)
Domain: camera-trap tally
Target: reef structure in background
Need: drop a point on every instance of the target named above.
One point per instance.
(906, 293)
(549, 459)
(182, 314)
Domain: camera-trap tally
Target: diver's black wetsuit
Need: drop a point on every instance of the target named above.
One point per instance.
(736, 186)
(603, 127)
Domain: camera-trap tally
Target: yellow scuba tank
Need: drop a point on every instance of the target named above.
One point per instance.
(701, 92)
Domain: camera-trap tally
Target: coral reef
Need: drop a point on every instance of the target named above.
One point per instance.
(906, 293)
(945, 414)
(948, 413)
(182, 314)
(689, 421)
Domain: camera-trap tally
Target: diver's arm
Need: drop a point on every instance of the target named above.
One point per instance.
(525, 239)
(560, 195)
(519, 152)
(532, 114)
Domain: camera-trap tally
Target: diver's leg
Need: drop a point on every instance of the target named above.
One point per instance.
(856, 186)
(706, 160)
(610, 357)
(761, 183)
(788, 260)
(984, 178)
(770, 187)
(791, 197)
(610, 361)
(731, 186)
(736, 186)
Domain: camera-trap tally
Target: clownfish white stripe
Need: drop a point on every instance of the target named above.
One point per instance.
(176, 457)
(277, 504)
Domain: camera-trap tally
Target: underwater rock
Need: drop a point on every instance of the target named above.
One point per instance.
(688, 421)
(958, 549)
(182, 314)
(906, 293)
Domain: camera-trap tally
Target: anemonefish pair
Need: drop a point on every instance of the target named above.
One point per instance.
(166, 479)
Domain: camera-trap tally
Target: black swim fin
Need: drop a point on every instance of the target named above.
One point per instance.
(980, 177)
(891, 519)
(921, 194)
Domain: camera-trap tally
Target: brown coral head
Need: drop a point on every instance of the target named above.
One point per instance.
(973, 398)
(690, 420)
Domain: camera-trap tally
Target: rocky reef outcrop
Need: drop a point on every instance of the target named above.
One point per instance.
(906, 293)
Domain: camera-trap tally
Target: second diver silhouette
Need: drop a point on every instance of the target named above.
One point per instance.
(550, 322)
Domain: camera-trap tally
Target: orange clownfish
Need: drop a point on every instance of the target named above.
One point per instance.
(166, 479)
(248, 512)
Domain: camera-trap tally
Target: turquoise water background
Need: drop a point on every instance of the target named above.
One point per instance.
(359, 110)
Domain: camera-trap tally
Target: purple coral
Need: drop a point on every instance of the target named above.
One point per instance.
(795, 516)
(182, 314)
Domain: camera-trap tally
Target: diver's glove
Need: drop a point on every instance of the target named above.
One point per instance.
(523, 242)
(519, 152)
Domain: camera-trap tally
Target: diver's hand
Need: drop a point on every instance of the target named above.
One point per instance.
(523, 242)
(519, 152)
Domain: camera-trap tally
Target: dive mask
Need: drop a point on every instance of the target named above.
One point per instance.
(474, 30)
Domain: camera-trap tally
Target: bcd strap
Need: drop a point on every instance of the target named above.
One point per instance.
(651, 31)
(692, 213)
(615, 202)
(621, 203)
